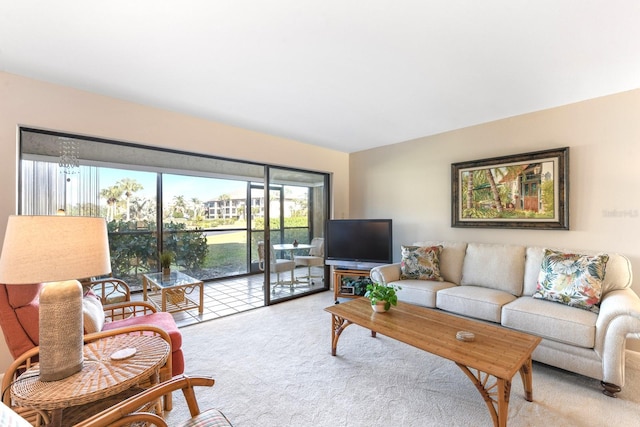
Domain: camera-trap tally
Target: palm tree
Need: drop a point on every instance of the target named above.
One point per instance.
(225, 202)
(469, 189)
(179, 205)
(494, 190)
(112, 195)
(241, 212)
(129, 186)
(197, 209)
(142, 208)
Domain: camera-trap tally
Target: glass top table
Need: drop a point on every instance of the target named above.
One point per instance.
(290, 247)
(173, 293)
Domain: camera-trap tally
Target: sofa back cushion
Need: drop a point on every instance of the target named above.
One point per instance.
(451, 259)
(494, 266)
(617, 274)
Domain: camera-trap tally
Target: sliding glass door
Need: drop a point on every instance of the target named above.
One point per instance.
(212, 213)
(296, 213)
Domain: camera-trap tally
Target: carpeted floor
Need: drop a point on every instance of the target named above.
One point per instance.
(273, 367)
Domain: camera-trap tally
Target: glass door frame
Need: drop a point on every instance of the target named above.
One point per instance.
(326, 209)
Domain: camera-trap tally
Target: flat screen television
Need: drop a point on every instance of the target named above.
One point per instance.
(359, 243)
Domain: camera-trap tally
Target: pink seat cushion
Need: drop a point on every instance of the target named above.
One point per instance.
(21, 295)
(29, 317)
(160, 319)
(177, 362)
(164, 321)
(19, 316)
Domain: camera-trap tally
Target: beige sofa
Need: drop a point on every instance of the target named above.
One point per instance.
(495, 283)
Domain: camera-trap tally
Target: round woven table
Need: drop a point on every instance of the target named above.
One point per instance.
(101, 375)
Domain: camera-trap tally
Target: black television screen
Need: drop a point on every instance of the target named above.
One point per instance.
(359, 242)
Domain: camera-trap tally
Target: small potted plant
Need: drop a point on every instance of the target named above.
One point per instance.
(382, 297)
(166, 258)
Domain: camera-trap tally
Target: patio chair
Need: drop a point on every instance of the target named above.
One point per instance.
(315, 258)
(276, 266)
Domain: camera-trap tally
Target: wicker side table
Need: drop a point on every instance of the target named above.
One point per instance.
(100, 377)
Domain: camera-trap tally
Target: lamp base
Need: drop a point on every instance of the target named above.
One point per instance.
(61, 330)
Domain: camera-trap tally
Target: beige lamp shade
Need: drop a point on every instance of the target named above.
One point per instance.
(41, 249)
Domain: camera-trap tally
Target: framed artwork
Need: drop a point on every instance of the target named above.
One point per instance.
(529, 190)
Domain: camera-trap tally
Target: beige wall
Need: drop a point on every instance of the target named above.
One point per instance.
(26, 102)
(411, 182)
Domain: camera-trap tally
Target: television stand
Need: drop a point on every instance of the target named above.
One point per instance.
(349, 282)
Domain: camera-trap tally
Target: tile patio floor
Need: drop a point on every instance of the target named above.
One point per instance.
(235, 295)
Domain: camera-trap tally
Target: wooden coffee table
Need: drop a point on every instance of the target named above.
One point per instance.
(490, 361)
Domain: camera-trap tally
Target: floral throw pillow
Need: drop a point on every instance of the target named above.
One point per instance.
(572, 279)
(420, 262)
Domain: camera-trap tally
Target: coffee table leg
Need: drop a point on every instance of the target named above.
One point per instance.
(495, 394)
(338, 324)
(527, 381)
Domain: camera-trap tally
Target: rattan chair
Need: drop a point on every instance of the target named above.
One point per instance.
(110, 290)
(127, 412)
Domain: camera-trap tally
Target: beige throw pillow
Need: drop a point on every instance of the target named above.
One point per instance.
(92, 314)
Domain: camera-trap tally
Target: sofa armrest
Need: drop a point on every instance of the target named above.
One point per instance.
(619, 319)
(385, 273)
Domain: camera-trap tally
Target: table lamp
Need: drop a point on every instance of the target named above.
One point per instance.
(56, 250)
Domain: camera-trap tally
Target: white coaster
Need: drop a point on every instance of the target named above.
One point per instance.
(465, 336)
(123, 353)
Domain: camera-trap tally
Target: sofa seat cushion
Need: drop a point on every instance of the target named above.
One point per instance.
(551, 320)
(421, 292)
(474, 301)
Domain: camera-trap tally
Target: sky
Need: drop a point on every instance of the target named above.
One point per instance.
(173, 185)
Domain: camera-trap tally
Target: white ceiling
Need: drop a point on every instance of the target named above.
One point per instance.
(343, 74)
